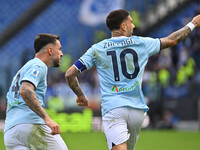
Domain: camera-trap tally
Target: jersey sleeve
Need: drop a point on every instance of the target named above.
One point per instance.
(34, 75)
(152, 45)
(88, 58)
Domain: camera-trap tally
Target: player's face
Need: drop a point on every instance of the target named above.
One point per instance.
(129, 26)
(57, 54)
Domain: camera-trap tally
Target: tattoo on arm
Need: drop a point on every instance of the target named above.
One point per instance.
(30, 98)
(176, 37)
(73, 81)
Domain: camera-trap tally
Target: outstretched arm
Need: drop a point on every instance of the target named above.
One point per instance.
(28, 94)
(71, 78)
(178, 36)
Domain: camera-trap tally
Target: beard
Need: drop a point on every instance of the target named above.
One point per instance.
(56, 63)
(132, 32)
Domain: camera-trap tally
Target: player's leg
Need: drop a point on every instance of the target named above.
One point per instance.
(29, 136)
(122, 146)
(135, 120)
(133, 139)
(15, 138)
(53, 141)
(115, 128)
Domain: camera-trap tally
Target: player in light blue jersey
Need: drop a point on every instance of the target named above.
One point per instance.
(27, 125)
(120, 62)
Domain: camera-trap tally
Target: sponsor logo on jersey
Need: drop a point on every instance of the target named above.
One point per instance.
(115, 88)
(13, 104)
(124, 89)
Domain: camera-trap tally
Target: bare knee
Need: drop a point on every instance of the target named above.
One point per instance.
(122, 146)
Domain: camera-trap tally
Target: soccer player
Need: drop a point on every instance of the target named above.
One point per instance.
(120, 62)
(27, 125)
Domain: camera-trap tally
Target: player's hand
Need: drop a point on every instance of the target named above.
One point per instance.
(82, 100)
(55, 128)
(196, 21)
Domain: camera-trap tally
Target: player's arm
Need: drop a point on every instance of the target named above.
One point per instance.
(178, 36)
(28, 94)
(71, 78)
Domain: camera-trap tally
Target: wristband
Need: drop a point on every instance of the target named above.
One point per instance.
(191, 26)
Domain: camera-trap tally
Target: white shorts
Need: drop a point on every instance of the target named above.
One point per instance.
(32, 137)
(121, 125)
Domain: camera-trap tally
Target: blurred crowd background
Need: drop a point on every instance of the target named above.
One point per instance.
(171, 82)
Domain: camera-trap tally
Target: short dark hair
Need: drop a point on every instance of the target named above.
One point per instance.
(43, 39)
(115, 18)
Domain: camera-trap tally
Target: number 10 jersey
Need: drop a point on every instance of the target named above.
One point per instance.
(120, 62)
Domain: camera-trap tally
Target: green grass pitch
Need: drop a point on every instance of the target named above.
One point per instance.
(149, 139)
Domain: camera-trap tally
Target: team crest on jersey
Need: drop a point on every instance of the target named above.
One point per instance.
(34, 73)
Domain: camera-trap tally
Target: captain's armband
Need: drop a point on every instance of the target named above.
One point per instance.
(80, 65)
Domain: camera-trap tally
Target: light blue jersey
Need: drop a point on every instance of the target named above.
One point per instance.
(120, 62)
(35, 72)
